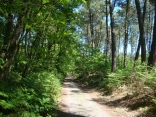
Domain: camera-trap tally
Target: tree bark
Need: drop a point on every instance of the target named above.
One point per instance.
(91, 27)
(107, 34)
(141, 29)
(152, 56)
(138, 50)
(7, 38)
(126, 33)
(13, 46)
(113, 69)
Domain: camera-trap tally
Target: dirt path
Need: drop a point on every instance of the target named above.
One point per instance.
(76, 102)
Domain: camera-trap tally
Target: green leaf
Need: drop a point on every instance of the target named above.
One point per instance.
(3, 94)
(84, 1)
(1, 61)
(6, 105)
(24, 62)
(27, 26)
(45, 1)
(32, 30)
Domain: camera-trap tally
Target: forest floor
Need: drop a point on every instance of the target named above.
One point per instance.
(78, 101)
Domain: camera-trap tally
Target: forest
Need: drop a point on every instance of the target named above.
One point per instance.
(104, 43)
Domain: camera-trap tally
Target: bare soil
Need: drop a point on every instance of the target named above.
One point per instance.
(78, 101)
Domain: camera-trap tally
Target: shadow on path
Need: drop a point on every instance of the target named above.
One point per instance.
(65, 114)
(132, 103)
(67, 84)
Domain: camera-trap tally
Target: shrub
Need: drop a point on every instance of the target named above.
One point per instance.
(35, 95)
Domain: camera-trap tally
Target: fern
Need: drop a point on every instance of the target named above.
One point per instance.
(3, 94)
(27, 114)
(31, 96)
(6, 105)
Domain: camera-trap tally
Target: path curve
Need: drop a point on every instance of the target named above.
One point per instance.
(75, 102)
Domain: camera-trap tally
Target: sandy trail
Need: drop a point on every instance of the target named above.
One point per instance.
(75, 102)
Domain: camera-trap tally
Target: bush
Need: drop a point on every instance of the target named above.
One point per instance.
(35, 95)
(91, 65)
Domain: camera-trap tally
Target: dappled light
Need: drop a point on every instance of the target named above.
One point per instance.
(99, 55)
(76, 101)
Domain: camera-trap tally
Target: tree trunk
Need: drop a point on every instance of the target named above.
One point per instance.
(7, 38)
(91, 28)
(126, 33)
(138, 50)
(152, 56)
(13, 46)
(107, 34)
(90, 14)
(119, 44)
(12, 51)
(132, 45)
(141, 29)
(113, 69)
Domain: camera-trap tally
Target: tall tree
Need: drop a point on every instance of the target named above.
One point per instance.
(107, 33)
(126, 32)
(12, 37)
(152, 56)
(91, 17)
(141, 29)
(113, 68)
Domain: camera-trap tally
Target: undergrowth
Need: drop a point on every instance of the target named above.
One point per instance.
(140, 81)
(33, 96)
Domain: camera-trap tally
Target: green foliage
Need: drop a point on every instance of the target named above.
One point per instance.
(35, 95)
(91, 64)
(119, 78)
(140, 80)
(34, 67)
(115, 80)
(48, 46)
(91, 69)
